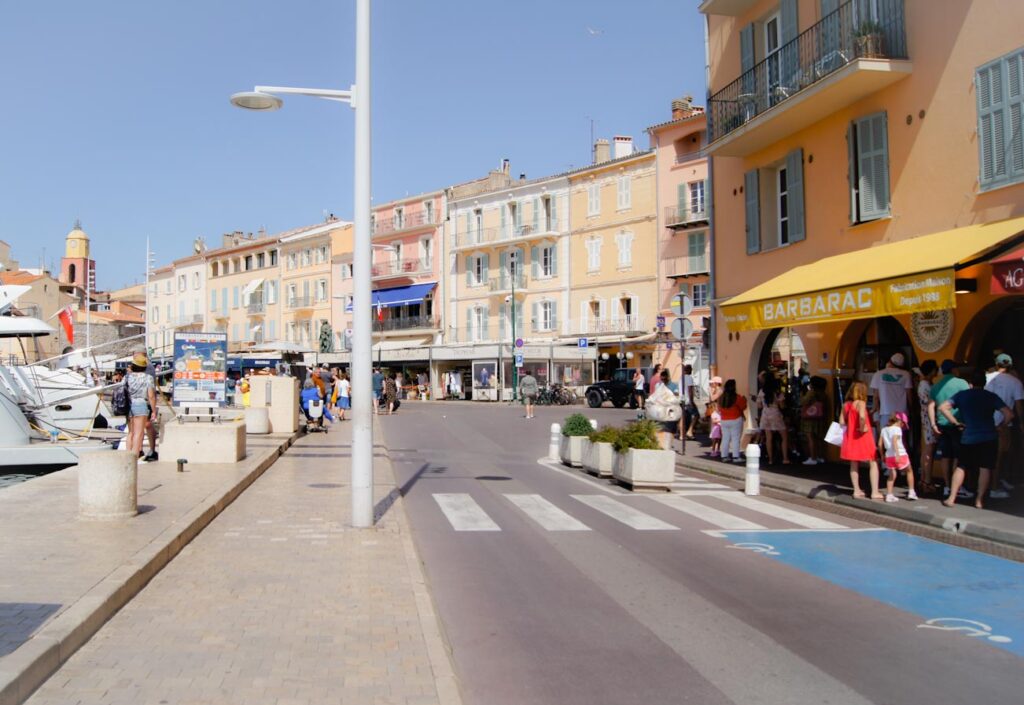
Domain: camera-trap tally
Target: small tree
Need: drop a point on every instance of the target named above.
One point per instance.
(576, 425)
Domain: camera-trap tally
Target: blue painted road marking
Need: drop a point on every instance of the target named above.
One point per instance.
(942, 584)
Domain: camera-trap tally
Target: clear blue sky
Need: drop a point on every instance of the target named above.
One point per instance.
(117, 112)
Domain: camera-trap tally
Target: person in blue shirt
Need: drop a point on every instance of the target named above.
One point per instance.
(309, 394)
(378, 389)
(978, 436)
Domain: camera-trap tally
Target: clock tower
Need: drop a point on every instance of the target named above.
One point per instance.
(76, 266)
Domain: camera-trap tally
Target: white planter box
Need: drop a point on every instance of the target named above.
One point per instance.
(646, 469)
(599, 459)
(570, 450)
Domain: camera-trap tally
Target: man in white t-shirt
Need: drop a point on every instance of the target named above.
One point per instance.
(892, 388)
(1005, 385)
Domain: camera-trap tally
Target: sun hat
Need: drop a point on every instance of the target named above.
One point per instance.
(1003, 360)
(139, 359)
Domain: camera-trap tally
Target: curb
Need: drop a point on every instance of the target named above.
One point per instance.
(829, 493)
(31, 664)
(438, 649)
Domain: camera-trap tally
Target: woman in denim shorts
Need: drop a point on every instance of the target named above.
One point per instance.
(143, 402)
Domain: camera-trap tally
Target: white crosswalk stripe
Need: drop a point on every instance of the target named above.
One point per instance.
(464, 514)
(784, 513)
(722, 520)
(624, 513)
(545, 513)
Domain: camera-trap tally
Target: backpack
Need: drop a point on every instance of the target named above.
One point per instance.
(121, 400)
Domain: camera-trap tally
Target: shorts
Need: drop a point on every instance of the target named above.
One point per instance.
(901, 462)
(529, 399)
(343, 403)
(140, 407)
(947, 446)
(669, 426)
(974, 456)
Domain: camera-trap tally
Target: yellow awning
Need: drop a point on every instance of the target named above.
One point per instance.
(916, 274)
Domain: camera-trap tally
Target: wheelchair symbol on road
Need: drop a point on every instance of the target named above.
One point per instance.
(765, 548)
(967, 626)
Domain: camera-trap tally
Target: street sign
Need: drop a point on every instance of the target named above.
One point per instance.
(682, 328)
(682, 305)
(519, 360)
(519, 342)
(582, 343)
(668, 345)
(661, 322)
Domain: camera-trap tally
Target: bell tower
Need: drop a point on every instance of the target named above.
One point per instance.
(76, 267)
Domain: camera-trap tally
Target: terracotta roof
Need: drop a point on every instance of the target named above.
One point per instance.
(679, 121)
(19, 277)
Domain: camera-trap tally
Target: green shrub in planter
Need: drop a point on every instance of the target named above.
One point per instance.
(576, 425)
(641, 435)
(607, 434)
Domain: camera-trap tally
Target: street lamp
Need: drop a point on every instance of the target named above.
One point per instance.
(265, 98)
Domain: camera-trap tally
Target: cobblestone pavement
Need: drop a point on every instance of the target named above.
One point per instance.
(277, 601)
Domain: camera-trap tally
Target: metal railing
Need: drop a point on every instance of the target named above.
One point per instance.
(406, 323)
(397, 267)
(404, 222)
(679, 266)
(675, 216)
(255, 308)
(624, 325)
(842, 36)
(690, 156)
(486, 236)
(505, 281)
(300, 302)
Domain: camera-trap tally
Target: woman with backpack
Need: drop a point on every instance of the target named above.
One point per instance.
(142, 402)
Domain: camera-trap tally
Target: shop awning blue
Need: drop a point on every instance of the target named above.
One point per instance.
(400, 295)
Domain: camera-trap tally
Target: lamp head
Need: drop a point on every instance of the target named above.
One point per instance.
(256, 100)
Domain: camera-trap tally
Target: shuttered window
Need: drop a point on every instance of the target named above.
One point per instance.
(751, 185)
(999, 88)
(869, 168)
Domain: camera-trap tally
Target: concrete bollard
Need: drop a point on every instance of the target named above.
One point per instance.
(753, 478)
(107, 484)
(555, 441)
(593, 424)
(257, 420)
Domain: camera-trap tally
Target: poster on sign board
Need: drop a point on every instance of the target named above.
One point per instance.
(200, 368)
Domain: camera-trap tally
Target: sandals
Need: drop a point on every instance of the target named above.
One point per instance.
(878, 497)
(859, 495)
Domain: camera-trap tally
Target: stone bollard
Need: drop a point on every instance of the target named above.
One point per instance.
(593, 424)
(753, 478)
(554, 442)
(257, 420)
(107, 484)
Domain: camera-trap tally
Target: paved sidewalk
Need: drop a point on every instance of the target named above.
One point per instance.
(1001, 521)
(278, 601)
(62, 577)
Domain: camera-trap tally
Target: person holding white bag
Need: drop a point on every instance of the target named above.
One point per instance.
(663, 407)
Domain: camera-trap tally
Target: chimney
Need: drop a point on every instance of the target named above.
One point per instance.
(522, 177)
(623, 146)
(602, 152)
(505, 166)
(682, 107)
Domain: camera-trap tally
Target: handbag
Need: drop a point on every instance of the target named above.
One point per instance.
(835, 433)
(663, 412)
(814, 410)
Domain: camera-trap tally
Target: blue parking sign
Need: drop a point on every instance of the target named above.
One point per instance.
(582, 342)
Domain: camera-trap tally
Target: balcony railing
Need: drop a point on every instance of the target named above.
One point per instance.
(400, 267)
(841, 37)
(300, 302)
(684, 266)
(406, 323)
(676, 217)
(690, 156)
(255, 308)
(405, 222)
(487, 236)
(624, 325)
(505, 281)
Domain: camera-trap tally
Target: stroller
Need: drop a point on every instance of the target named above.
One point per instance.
(315, 416)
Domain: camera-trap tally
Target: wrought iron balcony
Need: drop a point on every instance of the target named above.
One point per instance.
(300, 302)
(505, 282)
(842, 38)
(687, 217)
(406, 221)
(406, 323)
(624, 325)
(256, 308)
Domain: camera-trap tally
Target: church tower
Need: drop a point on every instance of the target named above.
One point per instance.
(76, 267)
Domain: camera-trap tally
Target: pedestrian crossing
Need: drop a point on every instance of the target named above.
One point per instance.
(725, 509)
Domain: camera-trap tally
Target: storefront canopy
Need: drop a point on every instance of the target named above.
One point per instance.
(1008, 273)
(917, 274)
(400, 295)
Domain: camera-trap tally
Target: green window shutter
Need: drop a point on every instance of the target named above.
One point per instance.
(504, 221)
(795, 199)
(554, 212)
(469, 221)
(503, 269)
(828, 7)
(747, 57)
(535, 261)
(469, 269)
(485, 331)
(554, 315)
(873, 167)
(1015, 101)
(851, 169)
(519, 215)
(753, 208)
(990, 89)
(789, 29)
(502, 320)
(485, 268)
(554, 260)
(829, 28)
(536, 214)
(534, 316)
(682, 201)
(519, 318)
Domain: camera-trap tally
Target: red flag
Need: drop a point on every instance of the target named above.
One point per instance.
(67, 324)
(380, 311)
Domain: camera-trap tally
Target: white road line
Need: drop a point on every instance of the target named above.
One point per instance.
(463, 513)
(624, 513)
(709, 514)
(790, 515)
(589, 480)
(701, 486)
(701, 492)
(545, 513)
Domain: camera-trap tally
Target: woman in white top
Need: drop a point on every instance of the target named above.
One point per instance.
(344, 390)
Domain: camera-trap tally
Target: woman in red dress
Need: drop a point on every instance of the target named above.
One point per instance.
(858, 440)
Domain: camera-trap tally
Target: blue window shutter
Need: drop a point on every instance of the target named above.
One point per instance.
(873, 166)
(519, 318)
(554, 212)
(502, 320)
(554, 315)
(795, 186)
(554, 259)
(789, 29)
(829, 28)
(536, 214)
(469, 269)
(503, 269)
(535, 261)
(534, 316)
(485, 268)
(504, 224)
(991, 97)
(747, 57)
(682, 200)
(519, 215)
(828, 7)
(1015, 107)
(753, 207)
(851, 169)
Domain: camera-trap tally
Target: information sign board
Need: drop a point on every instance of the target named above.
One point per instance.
(200, 369)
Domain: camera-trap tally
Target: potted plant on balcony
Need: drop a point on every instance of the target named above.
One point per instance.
(868, 39)
(642, 463)
(599, 457)
(575, 437)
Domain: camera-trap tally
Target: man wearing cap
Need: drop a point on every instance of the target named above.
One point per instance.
(892, 388)
(947, 432)
(1005, 385)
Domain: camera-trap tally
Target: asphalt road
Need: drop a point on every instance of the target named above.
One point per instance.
(558, 588)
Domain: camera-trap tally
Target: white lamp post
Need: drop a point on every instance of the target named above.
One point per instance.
(358, 96)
